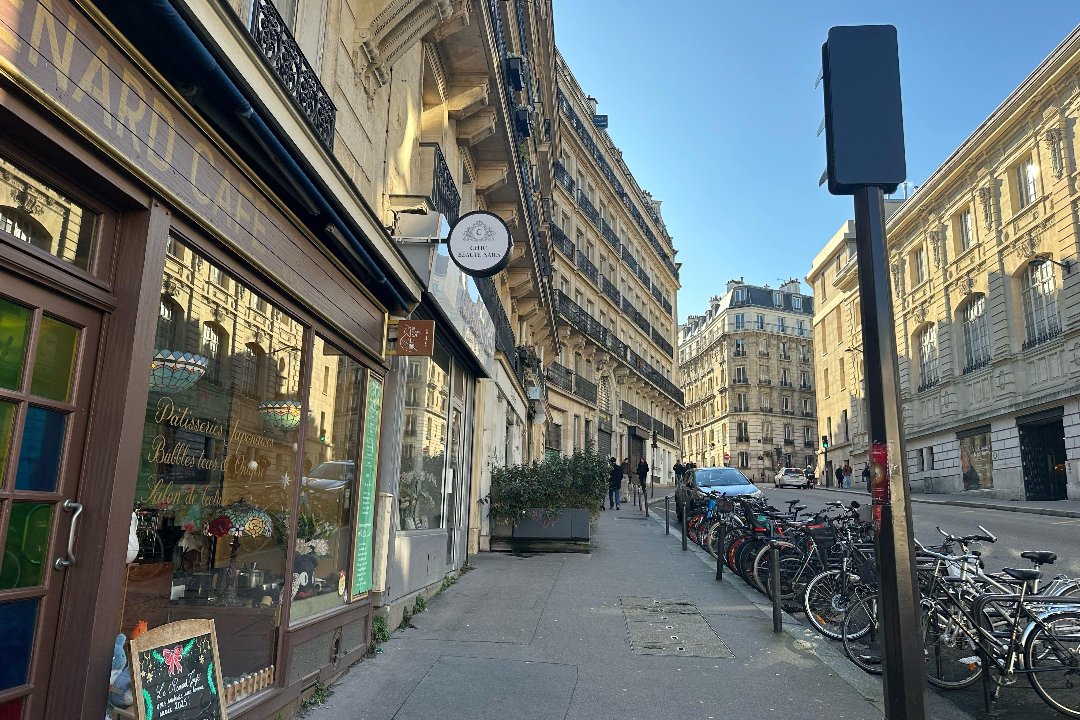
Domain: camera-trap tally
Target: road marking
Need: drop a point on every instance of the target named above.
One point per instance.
(1070, 521)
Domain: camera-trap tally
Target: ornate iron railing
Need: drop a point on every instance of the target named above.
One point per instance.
(662, 343)
(1038, 340)
(629, 259)
(562, 243)
(586, 266)
(643, 275)
(610, 290)
(585, 389)
(444, 192)
(562, 176)
(504, 333)
(978, 365)
(286, 59)
(610, 235)
(588, 208)
(560, 377)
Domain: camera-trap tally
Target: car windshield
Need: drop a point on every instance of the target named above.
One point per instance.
(716, 477)
(331, 471)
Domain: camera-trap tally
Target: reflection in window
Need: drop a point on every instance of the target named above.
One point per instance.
(44, 218)
(217, 473)
(328, 487)
(423, 455)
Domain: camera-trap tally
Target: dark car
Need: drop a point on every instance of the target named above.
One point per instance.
(699, 481)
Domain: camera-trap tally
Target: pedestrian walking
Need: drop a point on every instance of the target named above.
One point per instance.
(627, 472)
(614, 484)
(679, 469)
(839, 476)
(866, 476)
(848, 472)
(642, 473)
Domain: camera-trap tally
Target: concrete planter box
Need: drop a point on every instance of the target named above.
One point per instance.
(571, 526)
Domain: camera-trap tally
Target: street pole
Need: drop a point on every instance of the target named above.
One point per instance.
(904, 668)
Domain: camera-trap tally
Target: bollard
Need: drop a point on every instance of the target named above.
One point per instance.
(720, 550)
(685, 518)
(774, 562)
(667, 518)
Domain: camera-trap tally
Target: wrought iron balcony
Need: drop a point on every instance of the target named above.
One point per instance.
(741, 381)
(742, 438)
(1037, 340)
(609, 234)
(611, 291)
(662, 343)
(588, 208)
(977, 365)
(931, 383)
(657, 295)
(788, 441)
(558, 376)
(563, 178)
(739, 353)
(764, 381)
(808, 443)
(585, 389)
(281, 52)
(444, 192)
(667, 306)
(629, 259)
(644, 277)
(564, 244)
(586, 266)
(763, 353)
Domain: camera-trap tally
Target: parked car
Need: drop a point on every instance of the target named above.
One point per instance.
(794, 477)
(699, 481)
(331, 475)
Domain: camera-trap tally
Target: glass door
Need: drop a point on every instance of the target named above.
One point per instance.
(48, 348)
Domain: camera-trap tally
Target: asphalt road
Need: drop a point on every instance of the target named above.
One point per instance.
(1015, 531)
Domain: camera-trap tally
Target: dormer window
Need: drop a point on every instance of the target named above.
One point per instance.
(778, 299)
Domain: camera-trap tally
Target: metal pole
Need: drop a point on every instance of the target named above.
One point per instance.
(685, 519)
(774, 567)
(903, 662)
(667, 518)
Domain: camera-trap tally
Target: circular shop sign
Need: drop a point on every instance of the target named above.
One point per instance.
(480, 243)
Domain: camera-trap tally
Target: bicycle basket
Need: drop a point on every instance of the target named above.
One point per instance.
(823, 537)
(724, 505)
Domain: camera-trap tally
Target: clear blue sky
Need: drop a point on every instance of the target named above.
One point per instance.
(713, 105)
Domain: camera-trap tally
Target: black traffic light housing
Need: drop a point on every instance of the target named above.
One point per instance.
(824, 442)
(864, 125)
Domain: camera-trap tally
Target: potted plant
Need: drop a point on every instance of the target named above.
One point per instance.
(557, 499)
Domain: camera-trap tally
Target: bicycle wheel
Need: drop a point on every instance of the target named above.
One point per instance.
(744, 560)
(861, 635)
(709, 537)
(827, 599)
(952, 659)
(1052, 657)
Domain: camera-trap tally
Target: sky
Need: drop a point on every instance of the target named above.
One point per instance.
(714, 107)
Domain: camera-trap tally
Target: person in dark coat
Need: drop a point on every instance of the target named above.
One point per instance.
(614, 484)
(679, 469)
(642, 472)
(839, 476)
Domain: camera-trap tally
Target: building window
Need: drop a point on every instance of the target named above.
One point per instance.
(1040, 303)
(785, 403)
(806, 409)
(789, 431)
(740, 348)
(843, 374)
(766, 402)
(211, 348)
(742, 431)
(740, 294)
(928, 357)
(804, 379)
(778, 299)
(781, 325)
(929, 458)
(740, 321)
(844, 425)
(766, 431)
(1025, 183)
(740, 375)
(919, 270)
(796, 302)
(744, 459)
(825, 380)
(760, 322)
(742, 404)
(807, 435)
(800, 327)
(964, 230)
(976, 336)
(784, 350)
(785, 377)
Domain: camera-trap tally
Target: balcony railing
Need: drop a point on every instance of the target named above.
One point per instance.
(808, 443)
(657, 295)
(741, 381)
(667, 306)
(742, 438)
(504, 333)
(932, 382)
(662, 343)
(609, 234)
(739, 353)
(764, 381)
(629, 259)
(611, 291)
(763, 353)
(1042, 338)
(444, 192)
(564, 244)
(807, 414)
(563, 177)
(588, 208)
(789, 442)
(785, 356)
(585, 389)
(586, 266)
(644, 277)
(785, 383)
(279, 48)
(558, 376)
(977, 365)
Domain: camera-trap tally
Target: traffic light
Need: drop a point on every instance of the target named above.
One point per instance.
(824, 442)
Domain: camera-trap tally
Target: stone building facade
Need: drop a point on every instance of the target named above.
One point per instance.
(612, 380)
(985, 294)
(747, 367)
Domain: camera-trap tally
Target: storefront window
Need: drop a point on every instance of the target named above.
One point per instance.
(328, 488)
(976, 460)
(218, 468)
(35, 213)
(423, 451)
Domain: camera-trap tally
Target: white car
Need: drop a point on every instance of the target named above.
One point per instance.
(791, 476)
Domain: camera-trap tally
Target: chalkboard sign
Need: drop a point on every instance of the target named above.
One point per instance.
(365, 510)
(177, 673)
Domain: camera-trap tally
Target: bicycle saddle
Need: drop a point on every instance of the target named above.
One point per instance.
(1023, 575)
(1039, 557)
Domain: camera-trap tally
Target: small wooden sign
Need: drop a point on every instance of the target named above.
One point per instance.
(177, 672)
(414, 338)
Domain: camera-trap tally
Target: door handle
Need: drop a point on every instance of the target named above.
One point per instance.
(61, 563)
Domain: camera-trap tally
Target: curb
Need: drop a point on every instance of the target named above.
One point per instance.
(805, 637)
(1052, 512)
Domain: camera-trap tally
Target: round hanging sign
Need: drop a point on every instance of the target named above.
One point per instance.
(480, 243)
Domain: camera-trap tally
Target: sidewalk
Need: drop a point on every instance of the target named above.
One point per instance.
(637, 629)
(1056, 508)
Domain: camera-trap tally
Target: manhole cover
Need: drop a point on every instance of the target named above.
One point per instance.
(670, 627)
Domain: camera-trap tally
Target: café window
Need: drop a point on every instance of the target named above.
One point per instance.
(35, 213)
(423, 456)
(217, 475)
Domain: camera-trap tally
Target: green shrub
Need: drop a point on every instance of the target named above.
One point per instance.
(579, 480)
(406, 617)
(379, 632)
(420, 605)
